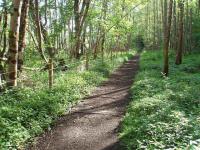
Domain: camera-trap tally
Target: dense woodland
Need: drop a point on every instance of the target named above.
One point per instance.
(77, 29)
(71, 46)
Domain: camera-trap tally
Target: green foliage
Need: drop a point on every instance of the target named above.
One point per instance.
(25, 113)
(196, 32)
(164, 113)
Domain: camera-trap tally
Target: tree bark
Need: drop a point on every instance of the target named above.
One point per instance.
(174, 39)
(180, 38)
(104, 14)
(167, 39)
(190, 30)
(13, 43)
(22, 30)
(5, 34)
(77, 28)
(80, 16)
(39, 30)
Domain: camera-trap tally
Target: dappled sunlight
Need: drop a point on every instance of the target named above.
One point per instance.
(26, 112)
(100, 74)
(164, 111)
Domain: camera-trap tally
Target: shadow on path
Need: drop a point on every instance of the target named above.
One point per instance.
(94, 123)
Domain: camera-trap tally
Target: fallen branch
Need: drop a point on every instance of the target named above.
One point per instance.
(31, 69)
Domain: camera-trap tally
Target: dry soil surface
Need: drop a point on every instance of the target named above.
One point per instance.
(93, 124)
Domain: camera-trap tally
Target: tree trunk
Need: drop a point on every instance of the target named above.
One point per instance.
(190, 30)
(104, 14)
(80, 16)
(167, 39)
(22, 30)
(174, 39)
(5, 29)
(180, 38)
(13, 43)
(39, 30)
(154, 25)
(83, 40)
(77, 28)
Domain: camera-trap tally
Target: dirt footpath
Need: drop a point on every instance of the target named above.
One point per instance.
(93, 124)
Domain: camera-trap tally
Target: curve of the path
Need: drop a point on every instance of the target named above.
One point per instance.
(93, 124)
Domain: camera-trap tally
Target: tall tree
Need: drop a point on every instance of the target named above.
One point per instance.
(167, 38)
(104, 13)
(13, 43)
(180, 36)
(174, 29)
(39, 30)
(5, 29)
(22, 30)
(80, 16)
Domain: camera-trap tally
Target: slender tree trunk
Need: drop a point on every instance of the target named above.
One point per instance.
(22, 30)
(83, 40)
(80, 16)
(5, 34)
(186, 28)
(77, 28)
(167, 39)
(70, 36)
(190, 30)
(13, 43)
(180, 39)
(39, 30)
(104, 13)
(147, 22)
(174, 27)
(96, 44)
(154, 25)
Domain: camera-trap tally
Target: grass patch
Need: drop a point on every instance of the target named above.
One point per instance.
(164, 112)
(26, 112)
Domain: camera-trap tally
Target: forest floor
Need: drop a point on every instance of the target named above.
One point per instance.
(164, 112)
(93, 124)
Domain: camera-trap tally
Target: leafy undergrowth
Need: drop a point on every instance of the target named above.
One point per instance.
(165, 112)
(26, 112)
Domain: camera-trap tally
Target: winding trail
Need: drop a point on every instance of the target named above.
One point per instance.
(93, 124)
